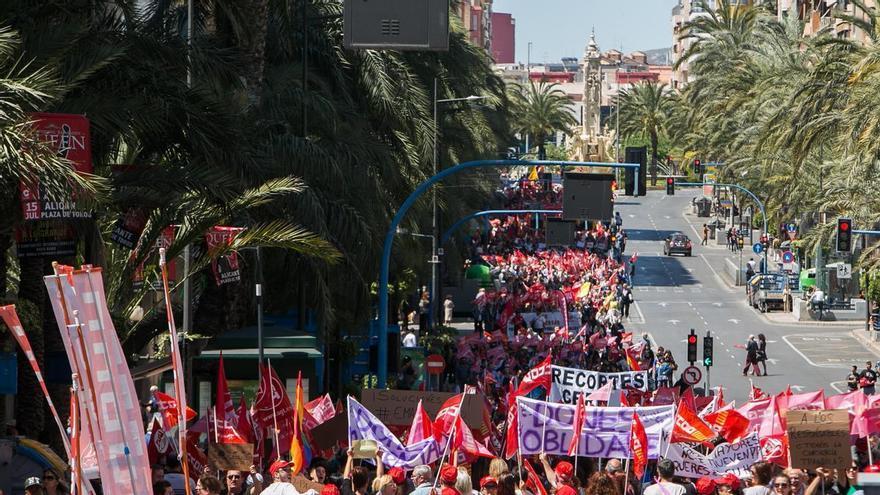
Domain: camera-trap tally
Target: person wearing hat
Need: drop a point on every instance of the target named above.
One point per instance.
(728, 484)
(32, 486)
(706, 486)
(562, 474)
(281, 485)
(448, 477)
(488, 486)
(666, 471)
(399, 476)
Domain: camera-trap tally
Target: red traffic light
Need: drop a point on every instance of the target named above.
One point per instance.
(697, 162)
(844, 226)
(692, 339)
(669, 180)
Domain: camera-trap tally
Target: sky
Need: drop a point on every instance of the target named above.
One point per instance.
(561, 28)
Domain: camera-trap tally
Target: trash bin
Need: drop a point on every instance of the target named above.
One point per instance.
(703, 207)
(714, 225)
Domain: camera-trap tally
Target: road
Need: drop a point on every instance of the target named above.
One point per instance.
(675, 294)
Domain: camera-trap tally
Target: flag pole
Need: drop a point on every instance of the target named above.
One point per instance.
(451, 434)
(178, 380)
(76, 472)
(274, 416)
(626, 479)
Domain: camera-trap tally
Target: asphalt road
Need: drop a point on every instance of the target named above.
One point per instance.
(675, 294)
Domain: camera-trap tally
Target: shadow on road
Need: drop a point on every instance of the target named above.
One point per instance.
(648, 234)
(663, 271)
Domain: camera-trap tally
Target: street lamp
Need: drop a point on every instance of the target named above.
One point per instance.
(435, 227)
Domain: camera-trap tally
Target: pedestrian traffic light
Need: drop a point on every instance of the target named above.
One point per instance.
(692, 347)
(707, 350)
(670, 186)
(844, 235)
(698, 168)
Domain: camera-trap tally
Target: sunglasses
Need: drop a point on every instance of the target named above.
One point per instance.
(233, 476)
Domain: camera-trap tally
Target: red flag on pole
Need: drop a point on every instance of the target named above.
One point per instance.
(689, 427)
(579, 416)
(421, 426)
(534, 482)
(638, 445)
(731, 424)
(274, 410)
(536, 377)
(223, 407)
(511, 444)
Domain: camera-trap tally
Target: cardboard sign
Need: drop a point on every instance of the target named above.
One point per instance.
(303, 484)
(397, 407)
(364, 449)
(331, 432)
(225, 456)
(819, 438)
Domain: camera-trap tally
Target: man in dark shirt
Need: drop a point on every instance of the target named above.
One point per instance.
(867, 379)
(852, 380)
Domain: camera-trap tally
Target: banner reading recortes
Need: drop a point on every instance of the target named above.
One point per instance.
(733, 458)
(605, 433)
(567, 383)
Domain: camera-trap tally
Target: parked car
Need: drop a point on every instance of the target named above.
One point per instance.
(677, 243)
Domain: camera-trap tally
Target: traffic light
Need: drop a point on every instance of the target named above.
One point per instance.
(670, 186)
(698, 168)
(707, 350)
(844, 235)
(692, 347)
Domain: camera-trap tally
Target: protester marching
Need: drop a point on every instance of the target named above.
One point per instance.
(551, 395)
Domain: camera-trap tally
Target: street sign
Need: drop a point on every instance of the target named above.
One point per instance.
(692, 375)
(844, 270)
(757, 248)
(435, 364)
(787, 257)
(792, 228)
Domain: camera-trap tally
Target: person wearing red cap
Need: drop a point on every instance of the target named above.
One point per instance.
(488, 485)
(706, 486)
(448, 477)
(728, 484)
(562, 474)
(279, 472)
(330, 489)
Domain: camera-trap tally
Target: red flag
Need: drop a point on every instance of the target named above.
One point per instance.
(755, 393)
(160, 444)
(688, 397)
(196, 460)
(448, 413)
(223, 407)
(689, 427)
(168, 410)
(638, 445)
(251, 431)
(511, 445)
(536, 377)
(465, 441)
(729, 423)
(603, 394)
(273, 409)
(774, 438)
(534, 482)
(580, 414)
(421, 426)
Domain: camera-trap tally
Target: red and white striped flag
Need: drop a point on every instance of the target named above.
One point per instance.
(10, 317)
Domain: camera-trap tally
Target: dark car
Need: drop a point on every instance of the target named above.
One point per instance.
(677, 243)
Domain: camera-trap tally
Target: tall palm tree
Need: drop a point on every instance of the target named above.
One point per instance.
(645, 110)
(540, 110)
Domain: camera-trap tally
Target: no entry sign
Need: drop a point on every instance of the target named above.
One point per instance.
(435, 364)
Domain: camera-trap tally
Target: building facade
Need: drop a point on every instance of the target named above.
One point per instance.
(686, 11)
(818, 15)
(503, 39)
(476, 16)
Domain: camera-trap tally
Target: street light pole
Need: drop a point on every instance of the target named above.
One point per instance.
(435, 220)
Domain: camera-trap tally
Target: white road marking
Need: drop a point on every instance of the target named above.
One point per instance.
(796, 388)
(639, 311)
(717, 304)
(674, 322)
(808, 360)
(839, 389)
(734, 321)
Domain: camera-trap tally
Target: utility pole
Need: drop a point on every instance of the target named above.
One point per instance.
(187, 254)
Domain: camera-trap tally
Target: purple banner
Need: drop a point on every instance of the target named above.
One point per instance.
(548, 427)
(362, 425)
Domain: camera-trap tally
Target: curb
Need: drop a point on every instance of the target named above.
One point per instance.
(859, 334)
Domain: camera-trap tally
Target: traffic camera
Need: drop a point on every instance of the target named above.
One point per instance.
(692, 347)
(670, 186)
(844, 235)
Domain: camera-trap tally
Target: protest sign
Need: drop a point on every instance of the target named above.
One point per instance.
(303, 484)
(553, 319)
(819, 439)
(567, 383)
(605, 433)
(733, 458)
(331, 432)
(363, 425)
(397, 407)
(226, 456)
(364, 449)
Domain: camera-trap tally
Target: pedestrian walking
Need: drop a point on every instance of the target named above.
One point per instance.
(852, 380)
(761, 355)
(448, 309)
(751, 356)
(626, 299)
(705, 235)
(750, 269)
(618, 220)
(867, 379)
(424, 310)
(632, 269)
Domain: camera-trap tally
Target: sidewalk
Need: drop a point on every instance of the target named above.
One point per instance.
(778, 317)
(864, 336)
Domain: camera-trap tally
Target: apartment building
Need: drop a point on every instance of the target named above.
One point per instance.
(819, 15)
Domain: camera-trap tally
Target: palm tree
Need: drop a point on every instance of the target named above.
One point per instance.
(645, 110)
(540, 110)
